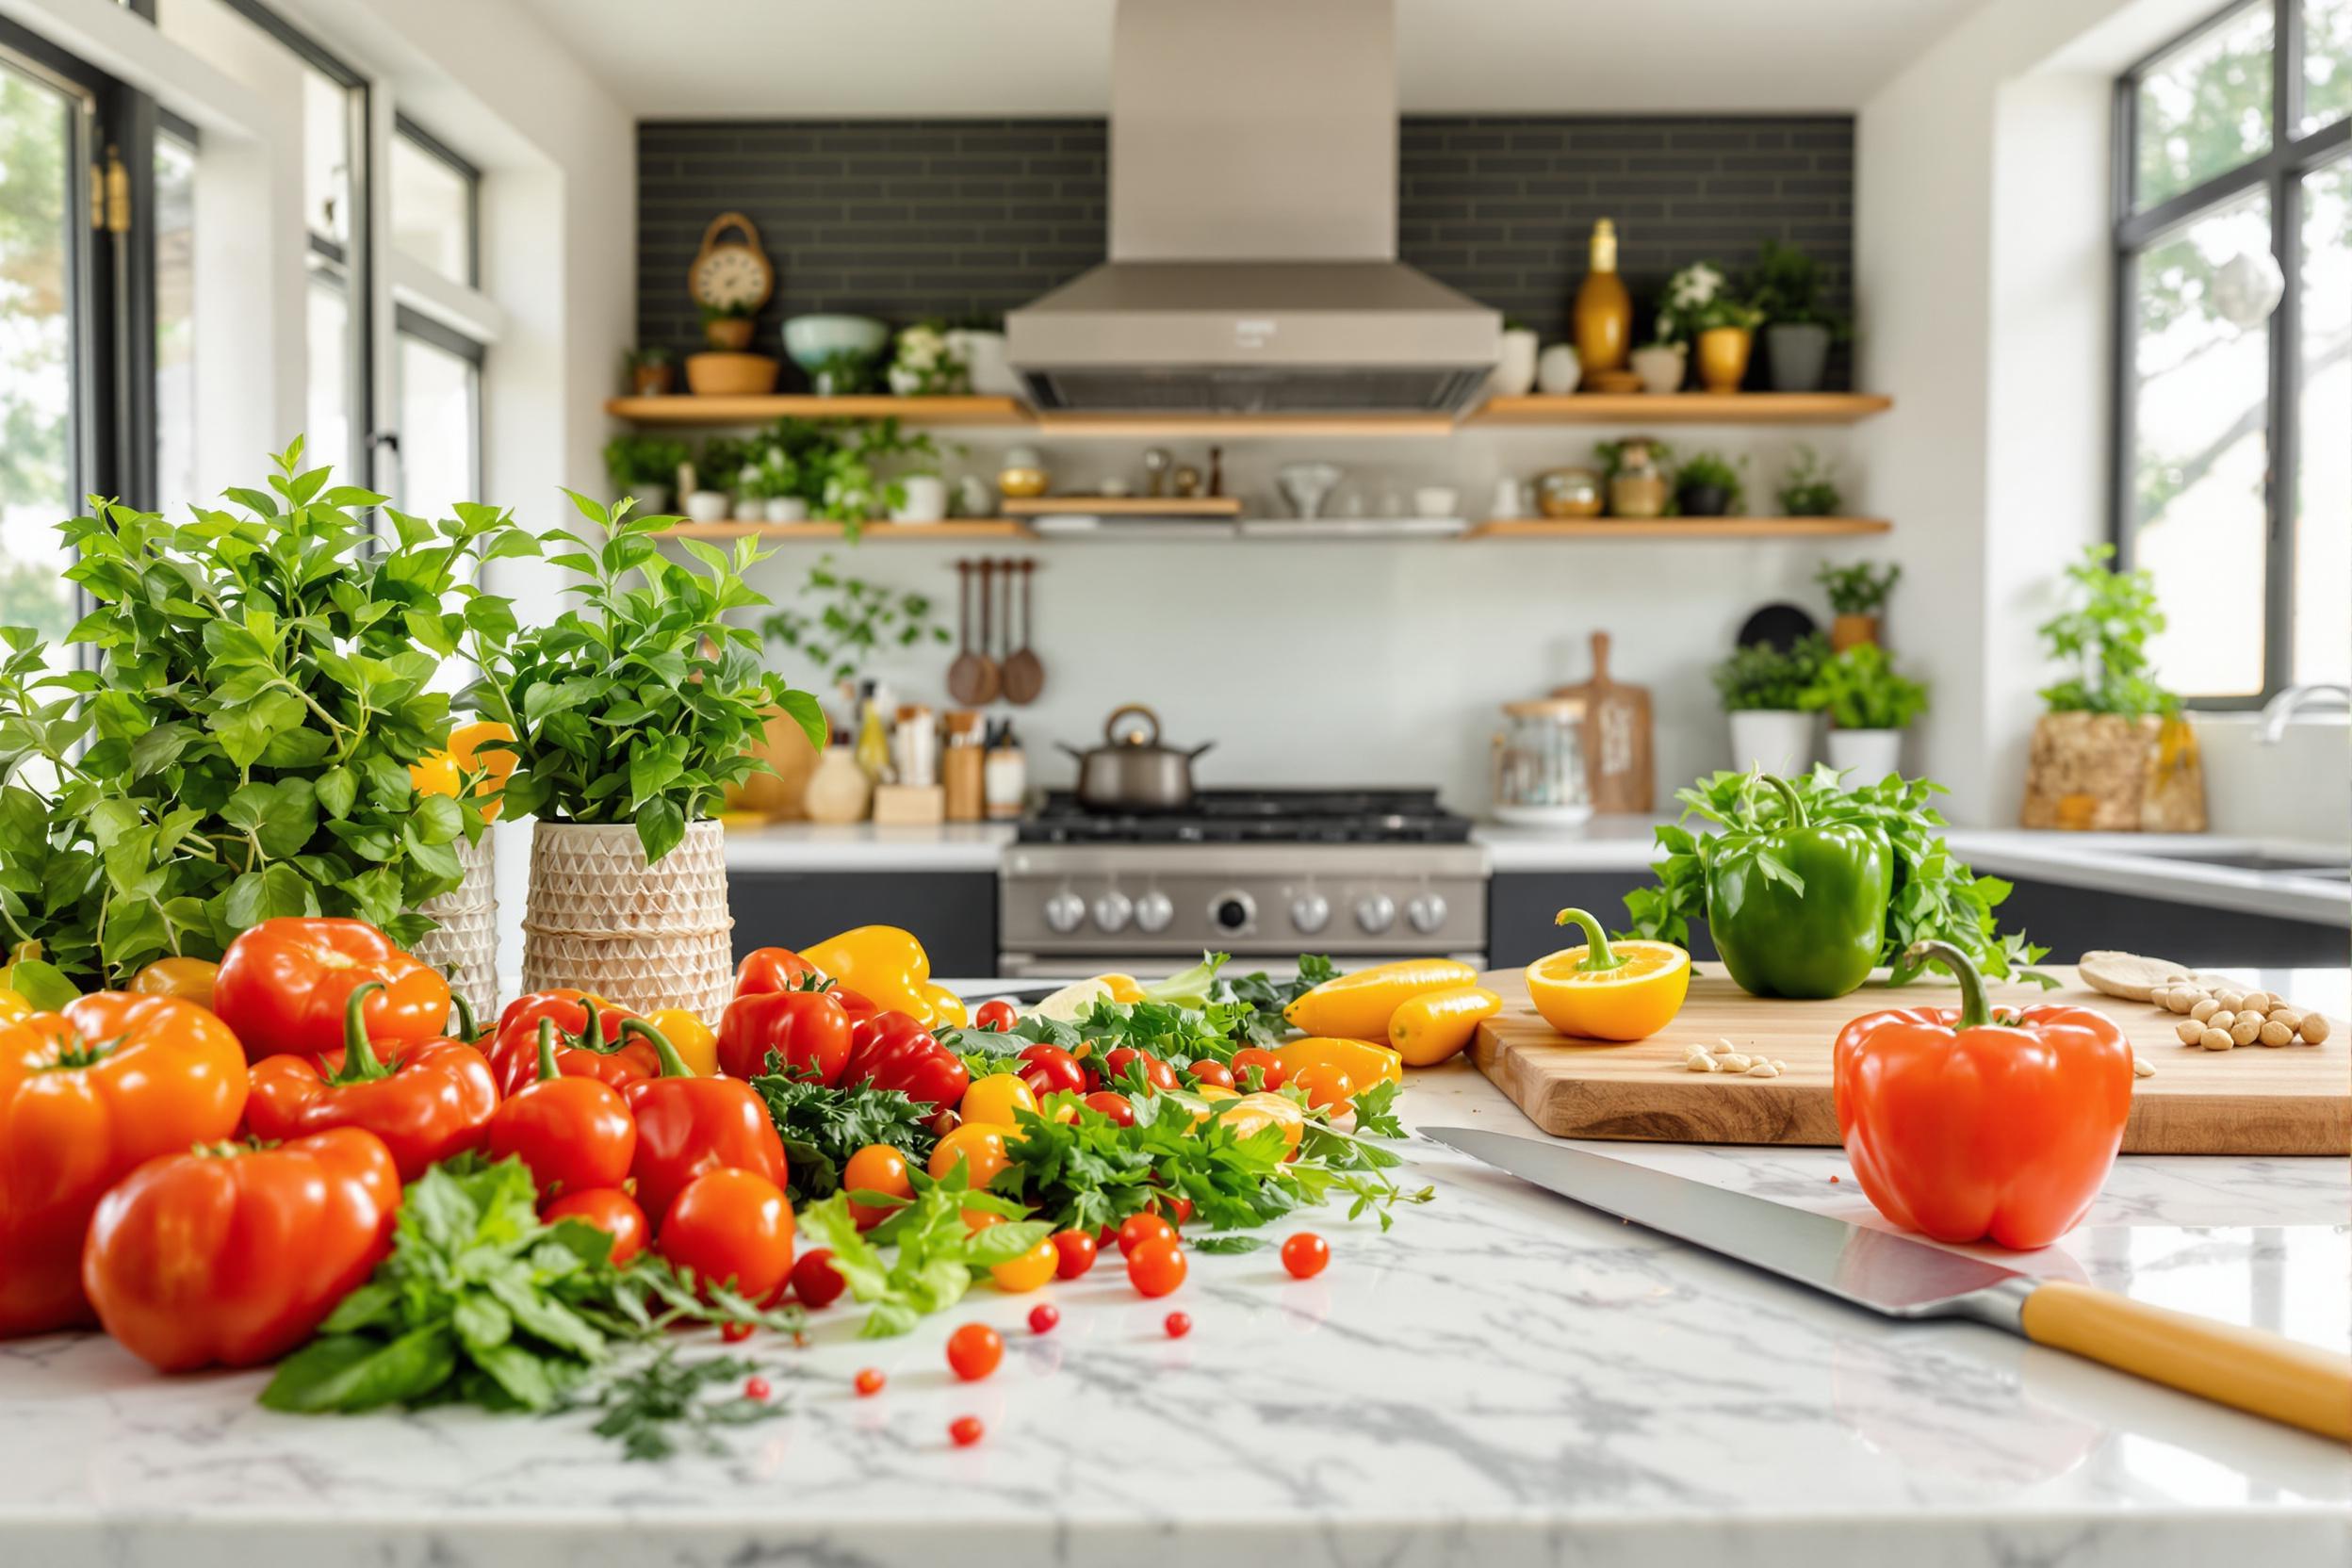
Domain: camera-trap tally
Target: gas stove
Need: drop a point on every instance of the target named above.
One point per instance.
(1265, 875)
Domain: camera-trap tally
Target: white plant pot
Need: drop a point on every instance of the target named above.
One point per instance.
(1557, 370)
(1777, 741)
(1868, 754)
(926, 502)
(784, 508)
(1514, 374)
(1660, 367)
(709, 506)
(982, 354)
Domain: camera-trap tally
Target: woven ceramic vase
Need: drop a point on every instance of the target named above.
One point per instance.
(463, 942)
(642, 937)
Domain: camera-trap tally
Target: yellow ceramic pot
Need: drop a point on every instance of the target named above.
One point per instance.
(1724, 357)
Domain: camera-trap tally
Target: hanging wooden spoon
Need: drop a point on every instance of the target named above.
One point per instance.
(971, 680)
(1025, 672)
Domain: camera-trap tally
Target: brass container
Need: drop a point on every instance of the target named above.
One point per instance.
(1724, 357)
(1568, 493)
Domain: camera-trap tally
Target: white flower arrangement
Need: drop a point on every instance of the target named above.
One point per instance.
(924, 366)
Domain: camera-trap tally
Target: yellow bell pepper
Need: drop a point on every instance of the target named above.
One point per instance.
(190, 979)
(1362, 1060)
(12, 1007)
(1359, 1005)
(1434, 1026)
(1625, 991)
(1125, 987)
(697, 1042)
(947, 1008)
(1248, 1113)
(889, 968)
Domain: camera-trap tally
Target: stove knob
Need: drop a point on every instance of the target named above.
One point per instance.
(1064, 911)
(1427, 911)
(1233, 911)
(1376, 913)
(1153, 911)
(1310, 912)
(1111, 911)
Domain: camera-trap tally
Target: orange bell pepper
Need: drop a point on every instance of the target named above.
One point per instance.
(889, 968)
(444, 773)
(282, 985)
(1966, 1123)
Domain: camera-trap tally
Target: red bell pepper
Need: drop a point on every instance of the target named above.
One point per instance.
(808, 1029)
(86, 1095)
(687, 1125)
(772, 969)
(590, 1041)
(572, 1132)
(233, 1255)
(894, 1051)
(427, 1102)
(1966, 1123)
(282, 985)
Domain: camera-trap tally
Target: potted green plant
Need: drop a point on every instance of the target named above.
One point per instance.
(650, 371)
(1810, 487)
(1762, 688)
(634, 711)
(713, 479)
(728, 327)
(1786, 286)
(1701, 309)
(770, 486)
(926, 363)
(1707, 485)
(856, 490)
(644, 467)
(2112, 751)
(1870, 705)
(1857, 593)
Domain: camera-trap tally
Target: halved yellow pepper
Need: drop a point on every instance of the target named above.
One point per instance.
(1625, 991)
(889, 968)
(1362, 1060)
(1434, 1026)
(1359, 1005)
(1248, 1113)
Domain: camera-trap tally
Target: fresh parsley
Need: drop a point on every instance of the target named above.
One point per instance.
(1266, 998)
(823, 1125)
(934, 1252)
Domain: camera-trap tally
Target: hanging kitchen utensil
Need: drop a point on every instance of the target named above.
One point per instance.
(1134, 772)
(971, 680)
(1025, 672)
(1618, 757)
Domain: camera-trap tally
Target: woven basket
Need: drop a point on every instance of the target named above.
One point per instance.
(463, 945)
(642, 937)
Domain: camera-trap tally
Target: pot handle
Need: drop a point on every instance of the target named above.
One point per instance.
(1195, 751)
(1110, 726)
(1065, 746)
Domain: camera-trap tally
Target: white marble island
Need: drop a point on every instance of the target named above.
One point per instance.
(1503, 1379)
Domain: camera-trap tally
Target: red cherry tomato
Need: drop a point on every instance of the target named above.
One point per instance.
(1042, 1317)
(974, 1351)
(815, 1280)
(756, 1388)
(1141, 1230)
(1155, 1073)
(1306, 1255)
(1074, 1251)
(1156, 1267)
(1178, 1208)
(1113, 1105)
(965, 1431)
(735, 1333)
(996, 1015)
(1047, 1069)
(1178, 1325)
(1270, 1071)
(731, 1225)
(868, 1383)
(610, 1210)
(1208, 1075)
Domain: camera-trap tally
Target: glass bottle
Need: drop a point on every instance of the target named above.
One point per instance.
(1603, 314)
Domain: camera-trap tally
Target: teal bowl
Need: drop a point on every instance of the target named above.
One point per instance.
(811, 340)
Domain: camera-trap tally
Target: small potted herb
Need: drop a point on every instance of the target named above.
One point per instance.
(651, 373)
(644, 467)
(1810, 488)
(1763, 690)
(770, 484)
(1857, 592)
(728, 327)
(1709, 487)
(1701, 309)
(1870, 705)
(1785, 285)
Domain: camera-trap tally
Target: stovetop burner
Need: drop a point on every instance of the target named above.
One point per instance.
(1257, 816)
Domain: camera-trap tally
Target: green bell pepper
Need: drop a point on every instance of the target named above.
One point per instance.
(1797, 909)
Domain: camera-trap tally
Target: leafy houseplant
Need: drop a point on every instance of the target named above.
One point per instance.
(855, 491)
(644, 467)
(1857, 592)
(1762, 688)
(1786, 286)
(2103, 634)
(853, 621)
(728, 327)
(242, 749)
(1709, 487)
(650, 370)
(1699, 308)
(1870, 705)
(1635, 475)
(1810, 488)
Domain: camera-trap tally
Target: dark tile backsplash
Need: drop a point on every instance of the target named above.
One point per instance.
(906, 219)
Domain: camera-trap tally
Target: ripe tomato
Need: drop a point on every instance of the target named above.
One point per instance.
(981, 1147)
(1141, 1230)
(1155, 1073)
(1272, 1074)
(1178, 1208)
(771, 969)
(877, 1167)
(1074, 1253)
(1178, 1325)
(1047, 1069)
(731, 1225)
(965, 1431)
(1306, 1255)
(815, 1280)
(868, 1381)
(610, 1210)
(1027, 1271)
(1112, 1105)
(1156, 1267)
(996, 1015)
(1329, 1087)
(809, 1030)
(974, 1351)
(1043, 1316)
(994, 1099)
(573, 1133)
(1208, 1075)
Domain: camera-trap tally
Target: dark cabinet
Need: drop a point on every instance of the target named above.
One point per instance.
(953, 913)
(1520, 906)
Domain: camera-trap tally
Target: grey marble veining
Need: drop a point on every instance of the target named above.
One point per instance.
(1502, 1379)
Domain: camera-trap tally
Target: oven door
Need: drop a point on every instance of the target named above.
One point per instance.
(1159, 966)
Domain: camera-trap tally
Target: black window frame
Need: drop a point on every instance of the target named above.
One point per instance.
(2279, 174)
(450, 158)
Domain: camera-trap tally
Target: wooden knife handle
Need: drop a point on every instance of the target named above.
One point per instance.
(2248, 1368)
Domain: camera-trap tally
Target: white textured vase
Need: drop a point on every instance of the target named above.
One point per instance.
(464, 941)
(1866, 755)
(600, 919)
(1778, 741)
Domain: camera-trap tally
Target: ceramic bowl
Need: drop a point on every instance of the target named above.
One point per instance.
(813, 339)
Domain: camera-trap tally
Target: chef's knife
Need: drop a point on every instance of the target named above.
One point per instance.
(2258, 1372)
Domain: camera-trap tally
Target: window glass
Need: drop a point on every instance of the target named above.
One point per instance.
(38, 480)
(2205, 107)
(2323, 496)
(2326, 61)
(326, 157)
(437, 428)
(326, 427)
(175, 325)
(2199, 450)
(431, 212)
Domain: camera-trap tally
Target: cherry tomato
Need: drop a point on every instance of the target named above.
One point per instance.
(1329, 1087)
(1178, 1208)
(1142, 1229)
(945, 1121)
(1043, 1316)
(997, 1015)
(610, 1210)
(1027, 1271)
(1178, 1325)
(974, 1351)
(1113, 1105)
(965, 1431)
(1155, 1073)
(1074, 1253)
(877, 1167)
(1156, 1267)
(731, 1225)
(1208, 1075)
(994, 1099)
(756, 1388)
(815, 1280)
(1047, 1069)
(981, 1147)
(868, 1383)
(735, 1333)
(1272, 1074)
(1306, 1255)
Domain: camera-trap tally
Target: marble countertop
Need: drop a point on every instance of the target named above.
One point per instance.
(1503, 1379)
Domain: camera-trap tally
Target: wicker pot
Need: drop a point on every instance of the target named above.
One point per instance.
(1850, 631)
(644, 937)
(2104, 773)
(463, 942)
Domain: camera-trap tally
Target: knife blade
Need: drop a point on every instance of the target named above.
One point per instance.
(2260, 1373)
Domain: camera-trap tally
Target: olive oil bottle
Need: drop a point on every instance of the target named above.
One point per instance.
(1603, 314)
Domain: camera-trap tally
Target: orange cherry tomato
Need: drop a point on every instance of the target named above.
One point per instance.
(1140, 1230)
(610, 1210)
(1027, 1271)
(877, 1167)
(731, 1226)
(1156, 1267)
(974, 1350)
(1329, 1087)
(980, 1146)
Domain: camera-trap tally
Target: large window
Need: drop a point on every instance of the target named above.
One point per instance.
(435, 201)
(2233, 418)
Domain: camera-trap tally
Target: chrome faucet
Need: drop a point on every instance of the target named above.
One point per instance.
(2278, 710)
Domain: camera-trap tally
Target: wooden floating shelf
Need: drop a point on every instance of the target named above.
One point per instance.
(688, 409)
(1124, 506)
(1677, 527)
(953, 527)
(1683, 408)
(1241, 427)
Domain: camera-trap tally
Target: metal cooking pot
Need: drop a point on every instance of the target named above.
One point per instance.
(1133, 771)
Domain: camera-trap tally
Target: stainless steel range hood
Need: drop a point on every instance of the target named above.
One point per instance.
(1254, 230)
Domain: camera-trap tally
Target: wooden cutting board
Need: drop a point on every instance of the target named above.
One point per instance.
(1616, 735)
(2292, 1100)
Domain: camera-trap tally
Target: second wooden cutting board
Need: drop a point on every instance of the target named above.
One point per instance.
(2290, 1100)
